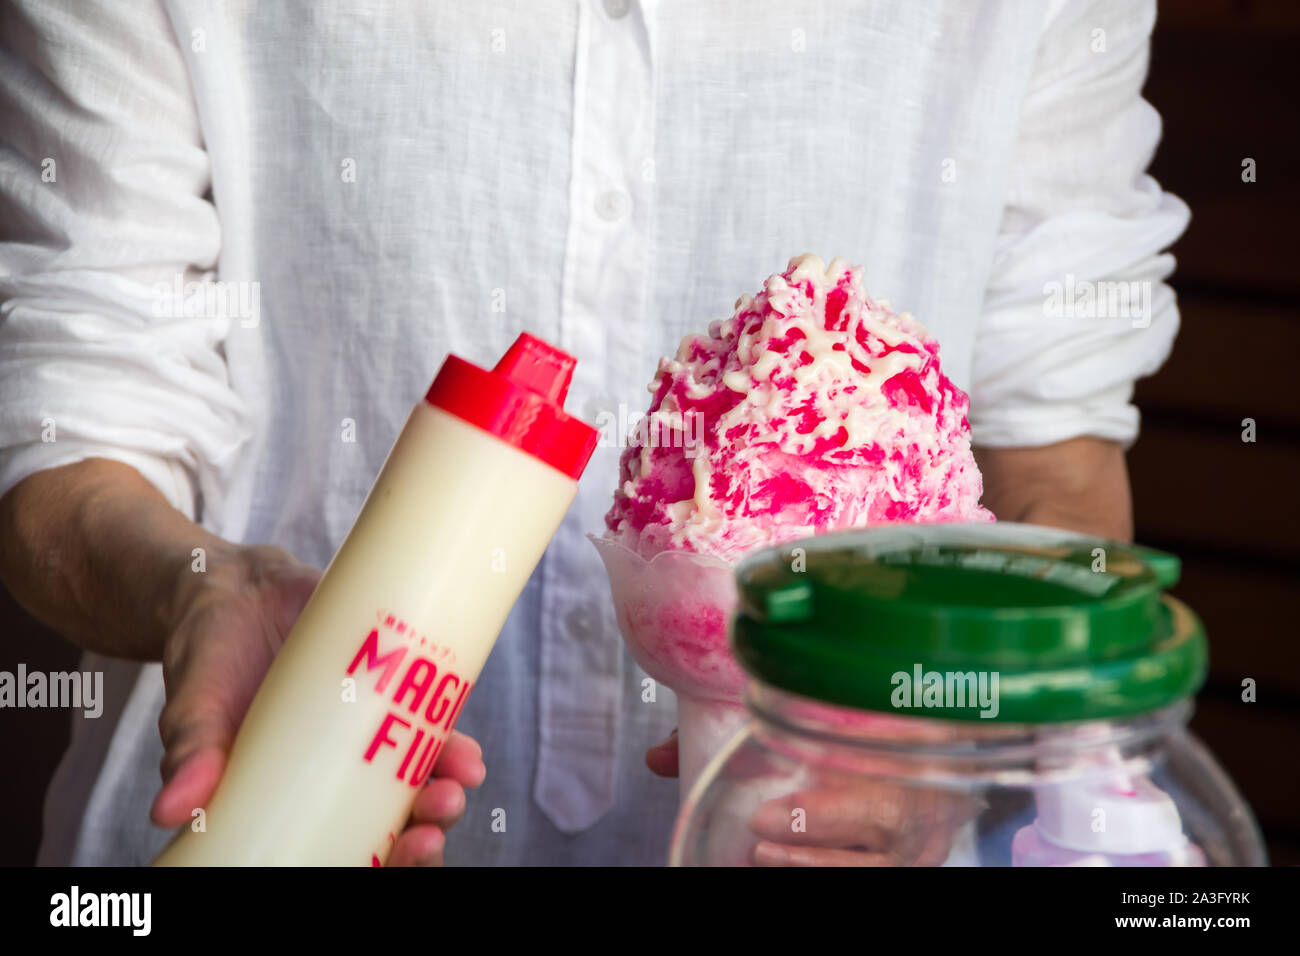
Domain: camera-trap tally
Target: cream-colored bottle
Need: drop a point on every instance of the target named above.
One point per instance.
(354, 711)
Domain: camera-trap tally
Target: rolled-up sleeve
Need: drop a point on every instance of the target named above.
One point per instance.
(1076, 309)
(103, 219)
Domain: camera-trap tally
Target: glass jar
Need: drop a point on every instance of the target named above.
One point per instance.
(1061, 741)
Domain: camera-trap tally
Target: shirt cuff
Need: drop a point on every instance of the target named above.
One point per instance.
(1107, 414)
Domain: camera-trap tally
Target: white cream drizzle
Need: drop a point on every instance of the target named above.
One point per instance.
(769, 415)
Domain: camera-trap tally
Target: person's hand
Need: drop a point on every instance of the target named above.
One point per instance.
(231, 621)
(847, 821)
(95, 552)
(854, 821)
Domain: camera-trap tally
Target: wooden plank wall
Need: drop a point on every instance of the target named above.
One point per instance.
(1224, 78)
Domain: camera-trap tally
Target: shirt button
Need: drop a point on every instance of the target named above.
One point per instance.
(616, 9)
(612, 205)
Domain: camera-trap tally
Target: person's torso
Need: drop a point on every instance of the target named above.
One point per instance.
(407, 180)
(399, 181)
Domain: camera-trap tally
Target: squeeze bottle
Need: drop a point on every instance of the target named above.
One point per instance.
(357, 705)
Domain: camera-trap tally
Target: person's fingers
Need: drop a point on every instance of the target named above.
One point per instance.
(928, 839)
(196, 733)
(461, 760)
(188, 786)
(847, 817)
(213, 664)
(440, 802)
(210, 682)
(893, 826)
(193, 720)
(936, 846)
(418, 846)
(930, 848)
(662, 757)
(779, 854)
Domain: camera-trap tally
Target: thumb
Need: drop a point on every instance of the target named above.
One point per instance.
(662, 757)
(213, 666)
(196, 740)
(188, 789)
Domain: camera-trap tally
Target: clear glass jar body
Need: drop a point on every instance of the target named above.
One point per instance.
(807, 783)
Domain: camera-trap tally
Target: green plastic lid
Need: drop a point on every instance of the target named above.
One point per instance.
(1007, 622)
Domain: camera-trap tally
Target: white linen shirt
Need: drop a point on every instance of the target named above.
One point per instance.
(389, 182)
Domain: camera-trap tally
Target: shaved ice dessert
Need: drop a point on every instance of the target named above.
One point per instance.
(813, 408)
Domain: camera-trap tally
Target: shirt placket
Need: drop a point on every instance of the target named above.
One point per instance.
(602, 322)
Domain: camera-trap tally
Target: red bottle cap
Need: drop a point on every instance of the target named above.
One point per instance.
(521, 401)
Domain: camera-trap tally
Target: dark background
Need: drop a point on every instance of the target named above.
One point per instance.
(1224, 77)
